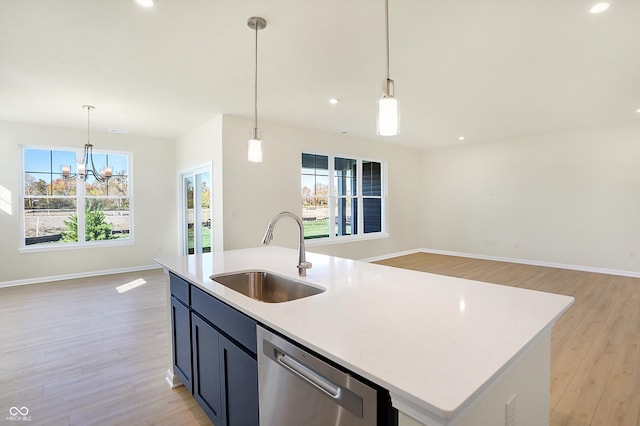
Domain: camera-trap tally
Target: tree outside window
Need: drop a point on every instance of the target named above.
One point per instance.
(62, 210)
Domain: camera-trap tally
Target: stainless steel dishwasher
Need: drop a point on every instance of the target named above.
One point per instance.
(297, 388)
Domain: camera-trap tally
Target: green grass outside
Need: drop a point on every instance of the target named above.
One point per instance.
(316, 228)
(206, 240)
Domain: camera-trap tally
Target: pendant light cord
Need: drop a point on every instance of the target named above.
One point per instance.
(256, 23)
(386, 16)
(255, 91)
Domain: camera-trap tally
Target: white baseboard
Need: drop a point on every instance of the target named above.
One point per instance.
(173, 380)
(390, 255)
(597, 270)
(39, 280)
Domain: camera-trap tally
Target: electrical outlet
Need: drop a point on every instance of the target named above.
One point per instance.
(510, 411)
(516, 244)
(632, 254)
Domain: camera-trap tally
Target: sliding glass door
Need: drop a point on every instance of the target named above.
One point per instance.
(196, 221)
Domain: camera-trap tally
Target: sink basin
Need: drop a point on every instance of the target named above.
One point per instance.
(266, 286)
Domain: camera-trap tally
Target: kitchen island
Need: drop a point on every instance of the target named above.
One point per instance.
(448, 350)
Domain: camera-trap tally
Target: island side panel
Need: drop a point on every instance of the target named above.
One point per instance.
(171, 378)
(529, 379)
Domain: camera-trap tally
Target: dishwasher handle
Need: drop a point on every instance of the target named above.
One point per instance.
(308, 375)
(342, 395)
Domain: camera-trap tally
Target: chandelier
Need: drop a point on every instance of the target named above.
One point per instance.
(87, 166)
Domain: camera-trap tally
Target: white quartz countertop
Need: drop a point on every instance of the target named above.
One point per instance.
(435, 342)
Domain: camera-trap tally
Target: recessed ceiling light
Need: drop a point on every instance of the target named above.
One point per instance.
(461, 138)
(333, 101)
(145, 3)
(638, 110)
(599, 7)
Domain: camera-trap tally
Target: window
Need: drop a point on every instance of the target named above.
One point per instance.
(65, 211)
(335, 190)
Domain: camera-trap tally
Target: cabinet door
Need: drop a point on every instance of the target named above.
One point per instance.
(239, 385)
(181, 329)
(206, 368)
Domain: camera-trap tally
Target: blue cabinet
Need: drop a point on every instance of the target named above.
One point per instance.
(218, 345)
(240, 384)
(181, 329)
(181, 337)
(207, 383)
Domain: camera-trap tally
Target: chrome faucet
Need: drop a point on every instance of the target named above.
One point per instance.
(303, 265)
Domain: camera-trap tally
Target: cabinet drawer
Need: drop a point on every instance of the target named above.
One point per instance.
(230, 321)
(179, 288)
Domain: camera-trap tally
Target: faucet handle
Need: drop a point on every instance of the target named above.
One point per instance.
(302, 268)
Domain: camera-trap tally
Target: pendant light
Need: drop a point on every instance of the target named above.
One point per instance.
(87, 167)
(254, 152)
(388, 123)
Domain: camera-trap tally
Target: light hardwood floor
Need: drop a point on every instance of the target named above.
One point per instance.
(78, 352)
(595, 346)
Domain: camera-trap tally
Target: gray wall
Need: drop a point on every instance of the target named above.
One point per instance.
(566, 197)
(154, 200)
(255, 192)
(569, 197)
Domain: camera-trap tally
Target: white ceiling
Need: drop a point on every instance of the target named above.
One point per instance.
(482, 69)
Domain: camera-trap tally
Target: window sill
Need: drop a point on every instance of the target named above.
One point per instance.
(345, 239)
(74, 246)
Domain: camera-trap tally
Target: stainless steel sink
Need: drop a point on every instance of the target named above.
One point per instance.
(266, 286)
